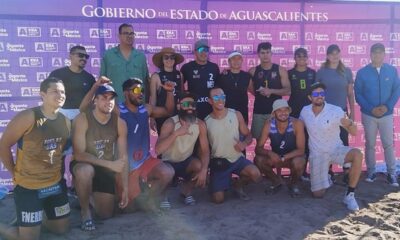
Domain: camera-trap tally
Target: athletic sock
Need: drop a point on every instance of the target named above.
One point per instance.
(350, 190)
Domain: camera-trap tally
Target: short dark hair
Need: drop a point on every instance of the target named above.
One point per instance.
(209, 92)
(264, 45)
(46, 83)
(122, 26)
(77, 47)
(315, 86)
(130, 82)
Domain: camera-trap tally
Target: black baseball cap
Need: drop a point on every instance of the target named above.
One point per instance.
(105, 89)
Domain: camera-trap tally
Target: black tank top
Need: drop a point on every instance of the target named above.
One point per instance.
(300, 83)
(282, 143)
(266, 78)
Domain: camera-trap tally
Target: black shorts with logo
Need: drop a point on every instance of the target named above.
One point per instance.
(30, 204)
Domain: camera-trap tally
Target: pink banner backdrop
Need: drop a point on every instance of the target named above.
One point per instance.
(35, 40)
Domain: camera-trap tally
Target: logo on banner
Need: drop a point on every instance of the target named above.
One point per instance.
(15, 47)
(215, 49)
(243, 48)
(182, 48)
(364, 61)
(321, 49)
(3, 107)
(29, 31)
(364, 36)
(153, 49)
(40, 76)
(167, 34)
(189, 34)
(344, 36)
(321, 37)
(71, 33)
(288, 36)
(4, 63)
(223, 63)
(99, 32)
(285, 62)
(264, 36)
(5, 93)
(394, 36)
(30, 91)
(140, 46)
(229, 35)
(111, 45)
(18, 107)
(95, 62)
(4, 123)
(203, 35)
(30, 62)
(251, 62)
(3, 77)
(1, 47)
(395, 62)
(357, 49)
(348, 62)
(278, 50)
(251, 35)
(307, 47)
(55, 32)
(17, 77)
(309, 36)
(3, 32)
(46, 47)
(56, 62)
(375, 37)
(141, 35)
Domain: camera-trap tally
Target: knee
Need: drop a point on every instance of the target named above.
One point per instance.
(83, 171)
(318, 194)
(196, 165)
(255, 174)
(166, 172)
(60, 228)
(298, 164)
(218, 198)
(357, 156)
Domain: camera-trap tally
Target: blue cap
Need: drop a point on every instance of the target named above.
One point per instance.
(105, 89)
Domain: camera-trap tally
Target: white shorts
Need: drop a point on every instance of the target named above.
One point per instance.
(319, 166)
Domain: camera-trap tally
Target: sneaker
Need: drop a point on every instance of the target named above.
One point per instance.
(351, 202)
(371, 177)
(305, 177)
(391, 178)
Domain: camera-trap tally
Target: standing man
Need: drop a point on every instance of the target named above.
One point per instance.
(124, 62)
(377, 90)
(201, 76)
(76, 79)
(176, 143)
(41, 134)
(269, 82)
(100, 152)
(322, 121)
(224, 127)
(235, 82)
(286, 135)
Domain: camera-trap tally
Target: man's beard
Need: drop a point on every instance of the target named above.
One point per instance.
(187, 117)
(135, 102)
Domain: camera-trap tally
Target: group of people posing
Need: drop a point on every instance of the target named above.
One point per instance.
(201, 116)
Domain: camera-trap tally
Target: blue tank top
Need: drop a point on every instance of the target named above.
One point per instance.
(138, 135)
(282, 143)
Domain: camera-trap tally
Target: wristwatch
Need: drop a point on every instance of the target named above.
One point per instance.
(282, 158)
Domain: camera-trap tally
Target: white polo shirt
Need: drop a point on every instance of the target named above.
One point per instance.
(324, 128)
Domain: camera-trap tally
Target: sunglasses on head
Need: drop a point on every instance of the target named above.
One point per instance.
(82, 55)
(203, 49)
(137, 90)
(187, 104)
(318, 94)
(221, 97)
(167, 57)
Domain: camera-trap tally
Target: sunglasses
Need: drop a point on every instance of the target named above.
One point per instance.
(130, 34)
(187, 104)
(221, 97)
(203, 49)
(82, 55)
(318, 94)
(137, 90)
(168, 57)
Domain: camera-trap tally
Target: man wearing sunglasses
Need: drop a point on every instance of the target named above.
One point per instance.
(148, 176)
(323, 122)
(177, 141)
(124, 62)
(76, 79)
(225, 127)
(201, 76)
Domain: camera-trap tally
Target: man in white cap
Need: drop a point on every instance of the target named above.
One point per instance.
(201, 76)
(287, 139)
(235, 83)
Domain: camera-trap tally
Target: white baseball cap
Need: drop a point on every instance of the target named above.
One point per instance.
(233, 54)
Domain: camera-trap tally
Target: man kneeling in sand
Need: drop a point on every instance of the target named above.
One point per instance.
(177, 141)
(287, 144)
(224, 128)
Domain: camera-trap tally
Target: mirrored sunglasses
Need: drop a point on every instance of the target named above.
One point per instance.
(203, 49)
(187, 104)
(318, 94)
(221, 97)
(137, 90)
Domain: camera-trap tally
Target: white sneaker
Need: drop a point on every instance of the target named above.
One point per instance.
(392, 180)
(351, 202)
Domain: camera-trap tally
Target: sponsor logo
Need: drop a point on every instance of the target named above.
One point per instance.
(182, 48)
(389, 50)
(141, 35)
(395, 62)
(140, 46)
(288, 36)
(364, 61)
(5, 93)
(243, 48)
(4, 63)
(348, 62)
(4, 123)
(205, 35)
(394, 36)
(46, 47)
(3, 32)
(251, 62)
(56, 62)
(344, 36)
(278, 50)
(229, 35)
(357, 49)
(264, 36)
(285, 62)
(319, 62)
(3, 77)
(99, 32)
(307, 47)
(364, 36)
(321, 37)
(71, 33)
(30, 62)
(189, 34)
(40, 76)
(89, 48)
(309, 36)
(251, 35)
(111, 45)
(1, 47)
(95, 62)
(17, 77)
(30, 91)
(215, 49)
(153, 49)
(223, 63)
(62, 210)
(55, 32)
(31, 217)
(18, 107)
(375, 37)
(3, 107)
(15, 47)
(29, 31)
(167, 34)
(321, 49)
